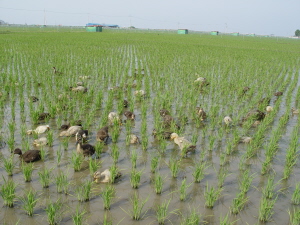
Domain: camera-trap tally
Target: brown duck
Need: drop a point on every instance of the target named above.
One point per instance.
(28, 156)
(129, 115)
(102, 134)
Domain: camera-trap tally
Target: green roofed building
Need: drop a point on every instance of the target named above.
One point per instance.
(183, 31)
(214, 32)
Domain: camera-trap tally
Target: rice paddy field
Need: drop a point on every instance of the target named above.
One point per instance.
(243, 171)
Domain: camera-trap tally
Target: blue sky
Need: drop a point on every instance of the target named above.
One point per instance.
(278, 17)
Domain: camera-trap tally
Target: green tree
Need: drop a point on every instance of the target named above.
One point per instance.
(297, 33)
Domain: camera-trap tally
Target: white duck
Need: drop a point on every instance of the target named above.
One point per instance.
(269, 109)
(104, 177)
(112, 117)
(70, 132)
(40, 142)
(227, 120)
(39, 130)
(183, 143)
(140, 93)
(133, 139)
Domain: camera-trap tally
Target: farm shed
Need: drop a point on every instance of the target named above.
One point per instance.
(183, 31)
(94, 28)
(235, 34)
(214, 32)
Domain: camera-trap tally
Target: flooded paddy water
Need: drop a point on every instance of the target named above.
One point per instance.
(166, 67)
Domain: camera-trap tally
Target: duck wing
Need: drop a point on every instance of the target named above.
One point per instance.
(31, 156)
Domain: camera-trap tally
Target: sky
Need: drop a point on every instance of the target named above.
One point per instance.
(262, 17)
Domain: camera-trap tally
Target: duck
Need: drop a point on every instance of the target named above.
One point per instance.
(140, 93)
(129, 115)
(133, 139)
(102, 134)
(105, 176)
(55, 71)
(264, 101)
(40, 142)
(201, 113)
(245, 89)
(256, 123)
(163, 134)
(183, 143)
(85, 149)
(278, 93)
(79, 89)
(84, 77)
(81, 135)
(32, 99)
(39, 130)
(79, 83)
(295, 111)
(246, 139)
(28, 156)
(112, 117)
(202, 81)
(125, 103)
(254, 114)
(43, 115)
(269, 109)
(227, 120)
(65, 126)
(164, 112)
(71, 131)
(168, 121)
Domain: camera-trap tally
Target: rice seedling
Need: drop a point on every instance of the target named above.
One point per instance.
(182, 190)
(27, 169)
(246, 181)
(144, 141)
(223, 173)
(225, 220)
(53, 211)
(98, 149)
(11, 143)
(62, 183)
(44, 175)
(43, 153)
(162, 212)
(78, 216)
(137, 207)
(106, 221)
(133, 158)
(9, 165)
(238, 203)
(266, 209)
(83, 192)
(174, 167)
(154, 163)
(296, 195)
(135, 178)
(268, 191)
(192, 219)
(58, 156)
(7, 192)
(29, 200)
(199, 171)
(211, 195)
(158, 183)
(115, 153)
(50, 138)
(294, 217)
(94, 165)
(115, 133)
(76, 160)
(65, 143)
(114, 170)
(108, 195)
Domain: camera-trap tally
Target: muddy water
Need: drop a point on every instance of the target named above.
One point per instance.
(121, 207)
